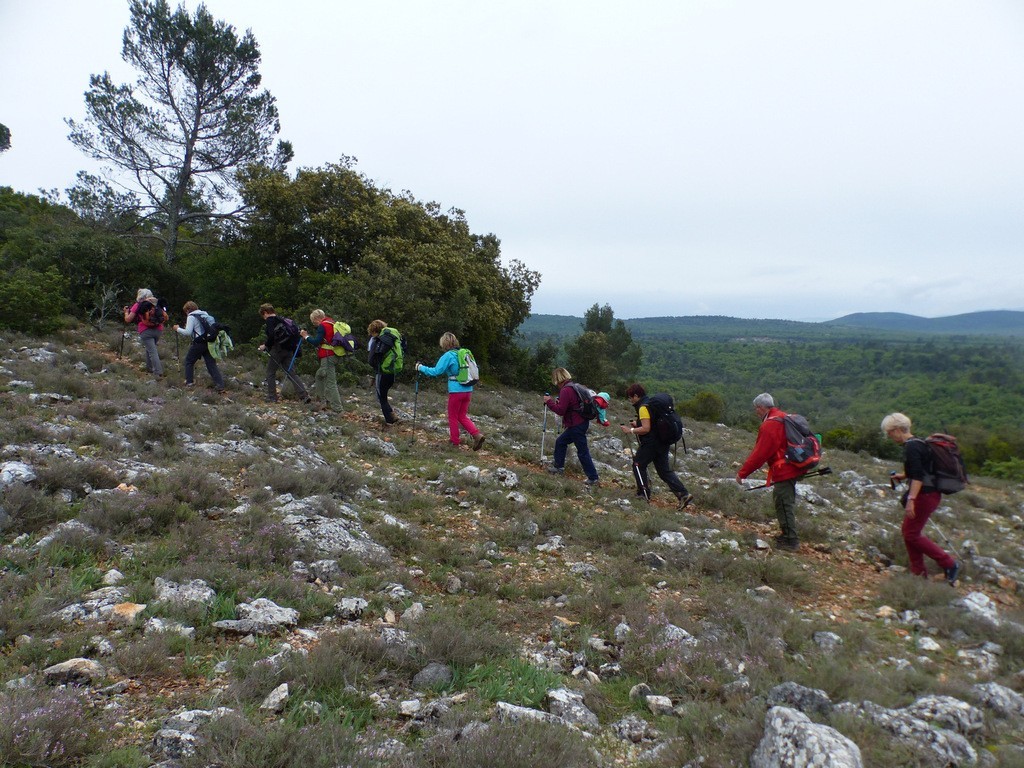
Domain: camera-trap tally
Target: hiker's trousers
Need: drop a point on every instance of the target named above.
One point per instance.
(918, 545)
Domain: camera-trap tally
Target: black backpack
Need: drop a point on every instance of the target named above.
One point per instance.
(153, 312)
(285, 333)
(666, 424)
(210, 330)
(587, 407)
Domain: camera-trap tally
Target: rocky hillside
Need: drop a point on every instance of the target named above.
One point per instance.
(195, 579)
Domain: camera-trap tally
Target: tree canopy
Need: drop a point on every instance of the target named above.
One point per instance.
(195, 116)
(604, 355)
(368, 252)
(5, 138)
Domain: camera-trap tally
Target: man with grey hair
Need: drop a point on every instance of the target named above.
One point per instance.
(770, 449)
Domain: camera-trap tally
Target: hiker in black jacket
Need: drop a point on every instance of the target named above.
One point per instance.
(651, 449)
(920, 500)
(386, 362)
(282, 346)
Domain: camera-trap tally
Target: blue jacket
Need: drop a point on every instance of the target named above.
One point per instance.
(447, 364)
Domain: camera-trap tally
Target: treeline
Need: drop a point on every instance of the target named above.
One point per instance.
(326, 237)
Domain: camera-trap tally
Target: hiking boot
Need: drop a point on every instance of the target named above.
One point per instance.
(790, 545)
(392, 420)
(952, 573)
(478, 441)
(555, 470)
(590, 483)
(685, 500)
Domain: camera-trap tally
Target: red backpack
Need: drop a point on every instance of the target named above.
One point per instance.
(803, 448)
(948, 473)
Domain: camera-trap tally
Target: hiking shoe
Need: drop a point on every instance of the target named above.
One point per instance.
(590, 483)
(478, 441)
(555, 470)
(685, 500)
(392, 420)
(790, 545)
(952, 573)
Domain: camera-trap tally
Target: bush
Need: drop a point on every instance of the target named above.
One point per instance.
(32, 301)
(234, 741)
(29, 509)
(510, 745)
(462, 636)
(53, 728)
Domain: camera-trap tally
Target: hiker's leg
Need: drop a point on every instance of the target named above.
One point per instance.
(271, 379)
(784, 496)
(382, 383)
(331, 383)
(283, 358)
(149, 338)
(644, 456)
(212, 369)
(453, 405)
(463, 414)
(918, 545)
(195, 351)
(561, 448)
(318, 379)
(583, 451)
(664, 470)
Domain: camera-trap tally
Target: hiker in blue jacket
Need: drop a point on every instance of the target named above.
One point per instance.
(198, 322)
(459, 394)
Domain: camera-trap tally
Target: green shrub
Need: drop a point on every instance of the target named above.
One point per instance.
(512, 680)
(32, 301)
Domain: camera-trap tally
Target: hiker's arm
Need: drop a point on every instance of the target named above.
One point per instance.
(915, 488)
(643, 421)
(129, 314)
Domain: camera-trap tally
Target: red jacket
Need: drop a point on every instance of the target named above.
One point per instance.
(770, 449)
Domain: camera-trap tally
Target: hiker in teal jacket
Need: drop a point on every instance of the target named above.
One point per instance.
(459, 395)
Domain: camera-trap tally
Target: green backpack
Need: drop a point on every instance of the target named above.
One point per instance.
(469, 372)
(394, 357)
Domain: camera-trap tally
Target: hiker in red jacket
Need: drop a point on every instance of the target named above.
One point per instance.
(770, 449)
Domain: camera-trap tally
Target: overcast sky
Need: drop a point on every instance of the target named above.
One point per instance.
(797, 160)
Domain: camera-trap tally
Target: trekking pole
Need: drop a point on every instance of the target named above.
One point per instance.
(815, 473)
(544, 429)
(636, 472)
(120, 350)
(294, 355)
(945, 538)
(415, 403)
(177, 354)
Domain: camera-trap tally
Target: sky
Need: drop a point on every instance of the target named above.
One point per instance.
(794, 160)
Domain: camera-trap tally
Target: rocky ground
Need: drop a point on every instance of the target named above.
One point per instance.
(190, 578)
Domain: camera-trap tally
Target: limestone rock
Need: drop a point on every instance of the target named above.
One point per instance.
(791, 738)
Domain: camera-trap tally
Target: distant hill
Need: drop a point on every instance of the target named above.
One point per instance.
(861, 325)
(993, 323)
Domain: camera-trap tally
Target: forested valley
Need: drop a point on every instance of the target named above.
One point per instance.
(844, 379)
